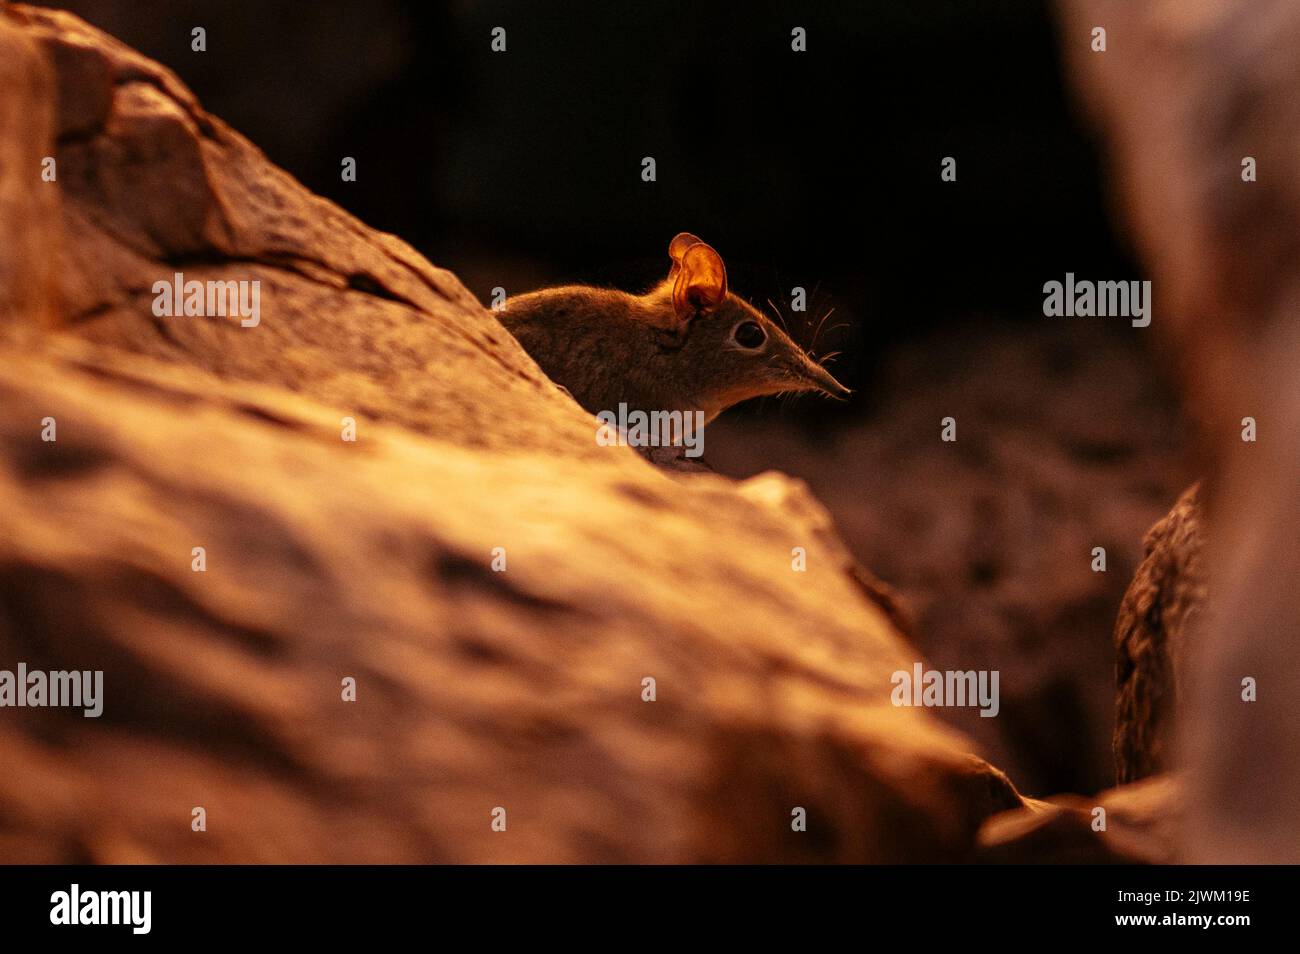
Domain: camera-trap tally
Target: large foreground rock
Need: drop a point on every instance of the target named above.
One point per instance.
(372, 560)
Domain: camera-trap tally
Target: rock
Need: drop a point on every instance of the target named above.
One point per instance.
(151, 185)
(1218, 87)
(1163, 603)
(1141, 827)
(27, 265)
(372, 560)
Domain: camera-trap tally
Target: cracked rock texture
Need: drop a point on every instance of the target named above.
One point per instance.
(1164, 603)
(371, 559)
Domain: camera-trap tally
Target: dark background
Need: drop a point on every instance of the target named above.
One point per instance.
(818, 169)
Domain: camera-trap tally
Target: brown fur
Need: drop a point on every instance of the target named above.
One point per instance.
(652, 353)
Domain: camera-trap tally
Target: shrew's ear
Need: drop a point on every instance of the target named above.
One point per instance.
(678, 246)
(699, 278)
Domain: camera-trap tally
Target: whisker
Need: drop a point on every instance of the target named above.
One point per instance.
(820, 323)
(812, 298)
(779, 316)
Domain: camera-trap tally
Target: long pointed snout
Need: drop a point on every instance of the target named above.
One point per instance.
(818, 378)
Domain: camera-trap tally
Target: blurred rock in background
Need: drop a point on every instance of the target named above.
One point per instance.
(1203, 165)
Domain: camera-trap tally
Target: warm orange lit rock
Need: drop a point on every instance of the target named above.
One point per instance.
(376, 560)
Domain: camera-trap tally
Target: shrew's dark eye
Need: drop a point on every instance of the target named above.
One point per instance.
(748, 334)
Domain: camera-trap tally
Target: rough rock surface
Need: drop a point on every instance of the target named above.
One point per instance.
(1186, 92)
(1164, 602)
(327, 559)
(149, 185)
